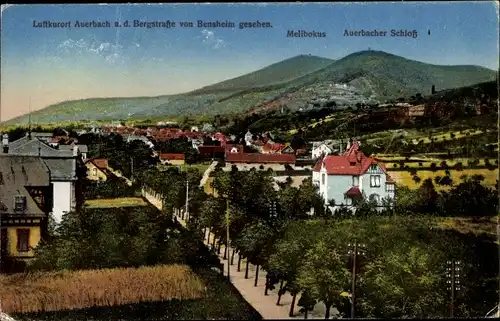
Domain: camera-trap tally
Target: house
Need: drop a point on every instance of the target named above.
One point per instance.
(25, 203)
(62, 164)
(346, 178)
(321, 148)
(233, 148)
(327, 147)
(172, 158)
(258, 158)
(97, 169)
(287, 149)
(196, 143)
(248, 138)
(83, 149)
(132, 137)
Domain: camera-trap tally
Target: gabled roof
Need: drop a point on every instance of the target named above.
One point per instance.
(100, 163)
(171, 156)
(261, 158)
(276, 147)
(35, 147)
(17, 173)
(352, 162)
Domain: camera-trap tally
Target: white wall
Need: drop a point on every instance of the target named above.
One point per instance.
(368, 190)
(321, 149)
(62, 199)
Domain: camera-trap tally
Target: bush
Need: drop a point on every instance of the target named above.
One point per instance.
(111, 188)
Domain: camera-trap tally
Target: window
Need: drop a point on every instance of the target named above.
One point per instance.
(348, 201)
(375, 198)
(23, 240)
(355, 181)
(19, 203)
(389, 187)
(94, 171)
(323, 178)
(374, 180)
(373, 168)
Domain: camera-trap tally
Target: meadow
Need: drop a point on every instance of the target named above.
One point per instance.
(52, 291)
(406, 179)
(116, 202)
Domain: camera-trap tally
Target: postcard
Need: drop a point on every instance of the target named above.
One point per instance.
(249, 161)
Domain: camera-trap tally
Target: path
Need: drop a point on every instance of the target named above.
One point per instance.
(254, 295)
(5, 317)
(206, 174)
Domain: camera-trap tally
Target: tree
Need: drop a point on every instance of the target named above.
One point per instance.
(255, 244)
(401, 283)
(324, 275)
(288, 255)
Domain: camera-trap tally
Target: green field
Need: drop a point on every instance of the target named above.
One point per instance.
(404, 178)
(200, 167)
(116, 202)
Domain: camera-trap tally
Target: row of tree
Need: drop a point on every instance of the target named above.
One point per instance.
(306, 252)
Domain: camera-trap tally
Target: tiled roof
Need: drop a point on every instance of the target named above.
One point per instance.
(100, 163)
(18, 172)
(352, 162)
(273, 147)
(171, 156)
(260, 158)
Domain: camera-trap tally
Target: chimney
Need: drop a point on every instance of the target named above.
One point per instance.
(75, 151)
(348, 144)
(433, 89)
(5, 143)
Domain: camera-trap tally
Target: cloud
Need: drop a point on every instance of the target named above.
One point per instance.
(112, 54)
(210, 39)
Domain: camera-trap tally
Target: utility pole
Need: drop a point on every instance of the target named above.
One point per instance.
(453, 271)
(131, 168)
(187, 199)
(227, 241)
(1, 248)
(355, 250)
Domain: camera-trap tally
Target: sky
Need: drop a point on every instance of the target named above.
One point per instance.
(43, 66)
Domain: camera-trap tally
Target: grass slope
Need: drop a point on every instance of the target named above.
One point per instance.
(389, 76)
(280, 72)
(375, 74)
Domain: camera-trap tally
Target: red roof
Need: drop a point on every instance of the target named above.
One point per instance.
(100, 163)
(260, 158)
(352, 162)
(210, 149)
(353, 191)
(228, 147)
(273, 147)
(317, 166)
(171, 156)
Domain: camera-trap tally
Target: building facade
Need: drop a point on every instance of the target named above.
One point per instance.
(97, 169)
(25, 203)
(62, 163)
(347, 178)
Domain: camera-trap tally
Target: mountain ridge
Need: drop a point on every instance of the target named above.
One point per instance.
(365, 75)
